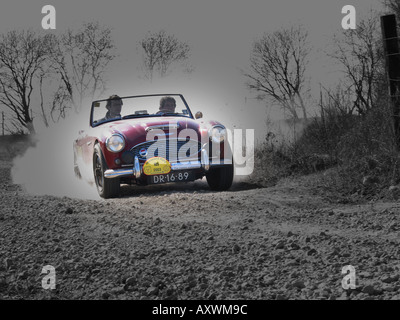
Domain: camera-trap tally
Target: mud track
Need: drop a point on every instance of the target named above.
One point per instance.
(186, 242)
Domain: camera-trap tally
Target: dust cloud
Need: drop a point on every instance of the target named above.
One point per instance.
(47, 168)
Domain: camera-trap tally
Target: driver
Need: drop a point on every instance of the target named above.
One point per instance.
(114, 105)
(167, 105)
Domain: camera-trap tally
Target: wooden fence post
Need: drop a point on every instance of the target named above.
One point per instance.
(392, 55)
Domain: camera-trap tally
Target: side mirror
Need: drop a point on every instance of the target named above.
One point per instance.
(198, 115)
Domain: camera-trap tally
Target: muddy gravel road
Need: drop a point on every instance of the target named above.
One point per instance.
(186, 242)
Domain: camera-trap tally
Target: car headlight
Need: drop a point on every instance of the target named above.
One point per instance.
(217, 134)
(115, 143)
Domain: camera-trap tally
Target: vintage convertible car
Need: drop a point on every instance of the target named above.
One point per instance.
(151, 139)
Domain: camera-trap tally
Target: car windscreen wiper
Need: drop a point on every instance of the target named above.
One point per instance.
(130, 116)
(168, 114)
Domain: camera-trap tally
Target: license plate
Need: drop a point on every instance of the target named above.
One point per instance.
(176, 176)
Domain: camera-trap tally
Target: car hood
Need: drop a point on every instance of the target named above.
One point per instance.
(135, 131)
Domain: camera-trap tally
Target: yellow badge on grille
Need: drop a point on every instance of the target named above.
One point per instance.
(156, 165)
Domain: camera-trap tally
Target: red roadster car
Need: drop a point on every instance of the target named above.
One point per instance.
(151, 139)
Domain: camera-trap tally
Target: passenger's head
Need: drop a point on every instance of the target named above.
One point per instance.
(114, 105)
(167, 104)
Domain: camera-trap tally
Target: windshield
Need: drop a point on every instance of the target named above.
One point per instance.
(116, 108)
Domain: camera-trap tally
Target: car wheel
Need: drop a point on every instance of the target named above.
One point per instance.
(107, 188)
(220, 179)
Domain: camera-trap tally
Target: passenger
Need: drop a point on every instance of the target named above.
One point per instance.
(167, 105)
(114, 106)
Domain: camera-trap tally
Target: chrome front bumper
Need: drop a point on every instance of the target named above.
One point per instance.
(137, 169)
(111, 173)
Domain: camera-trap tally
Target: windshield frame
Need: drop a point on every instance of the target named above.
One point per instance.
(139, 116)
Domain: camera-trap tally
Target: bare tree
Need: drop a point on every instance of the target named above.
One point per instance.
(22, 57)
(52, 73)
(393, 5)
(338, 100)
(60, 103)
(359, 51)
(160, 51)
(81, 58)
(277, 68)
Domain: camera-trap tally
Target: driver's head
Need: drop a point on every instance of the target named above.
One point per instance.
(114, 105)
(167, 104)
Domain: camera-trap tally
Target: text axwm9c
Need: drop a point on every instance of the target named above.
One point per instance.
(218, 309)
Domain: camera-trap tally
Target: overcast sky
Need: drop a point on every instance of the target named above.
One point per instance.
(220, 33)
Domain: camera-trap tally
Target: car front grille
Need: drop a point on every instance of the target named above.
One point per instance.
(167, 147)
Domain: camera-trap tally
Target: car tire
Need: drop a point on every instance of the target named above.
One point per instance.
(220, 179)
(107, 188)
